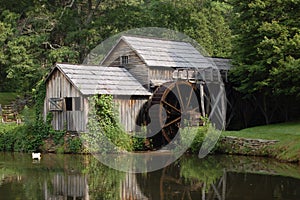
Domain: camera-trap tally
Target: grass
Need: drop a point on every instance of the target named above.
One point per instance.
(288, 135)
(272, 132)
(7, 97)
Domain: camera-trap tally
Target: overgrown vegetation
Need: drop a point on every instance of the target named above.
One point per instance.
(23, 138)
(105, 132)
(32, 134)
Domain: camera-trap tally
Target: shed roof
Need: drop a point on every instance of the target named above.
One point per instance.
(90, 80)
(222, 63)
(168, 53)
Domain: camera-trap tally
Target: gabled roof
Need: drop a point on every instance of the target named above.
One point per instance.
(167, 53)
(90, 80)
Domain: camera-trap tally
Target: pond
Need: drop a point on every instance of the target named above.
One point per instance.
(83, 177)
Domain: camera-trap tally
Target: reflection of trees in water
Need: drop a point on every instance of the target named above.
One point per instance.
(104, 182)
(84, 177)
(221, 178)
(185, 180)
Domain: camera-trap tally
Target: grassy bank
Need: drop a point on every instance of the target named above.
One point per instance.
(287, 134)
(7, 97)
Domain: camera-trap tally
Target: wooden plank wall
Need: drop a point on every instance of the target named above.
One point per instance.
(58, 86)
(136, 66)
(129, 111)
(161, 73)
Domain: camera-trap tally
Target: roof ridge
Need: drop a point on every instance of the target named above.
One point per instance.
(154, 38)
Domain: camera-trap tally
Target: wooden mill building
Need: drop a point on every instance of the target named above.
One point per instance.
(153, 61)
(68, 88)
(137, 71)
(167, 68)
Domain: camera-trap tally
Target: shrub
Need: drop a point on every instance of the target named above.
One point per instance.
(198, 135)
(74, 145)
(30, 137)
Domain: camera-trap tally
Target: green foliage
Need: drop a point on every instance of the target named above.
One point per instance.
(138, 144)
(209, 26)
(7, 97)
(39, 97)
(28, 114)
(57, 136)
(74, 144)
(105, 133)
(24, 138)
(36, 34)
(265, 45)
(6, 137)
(30, 137)
(207, 133)
(266, 55)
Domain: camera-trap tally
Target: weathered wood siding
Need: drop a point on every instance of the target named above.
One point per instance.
(136, 66)
(161, 73)
(57, 86)
(129, 111)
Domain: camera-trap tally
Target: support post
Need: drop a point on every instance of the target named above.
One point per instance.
(202, 99)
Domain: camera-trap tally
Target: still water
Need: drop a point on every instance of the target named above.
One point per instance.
(58, 177)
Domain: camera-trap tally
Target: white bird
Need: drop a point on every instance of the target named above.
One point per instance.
(36, 156)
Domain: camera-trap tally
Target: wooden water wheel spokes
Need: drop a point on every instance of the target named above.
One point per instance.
(178, 104)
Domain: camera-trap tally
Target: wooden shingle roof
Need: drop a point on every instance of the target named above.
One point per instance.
(168, 53)
(90, 80)
(222, 63)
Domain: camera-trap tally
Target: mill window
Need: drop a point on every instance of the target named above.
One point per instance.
(68, 101)
(77, 103)
(55, 104)
(124, 60)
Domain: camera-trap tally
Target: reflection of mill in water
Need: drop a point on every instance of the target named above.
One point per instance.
(73, 186)
(130, 189)
(162, 184)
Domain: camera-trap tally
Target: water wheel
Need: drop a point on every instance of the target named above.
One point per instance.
(173, 105)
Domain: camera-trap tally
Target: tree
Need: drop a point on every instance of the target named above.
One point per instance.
(37, 33)
(266, 54)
